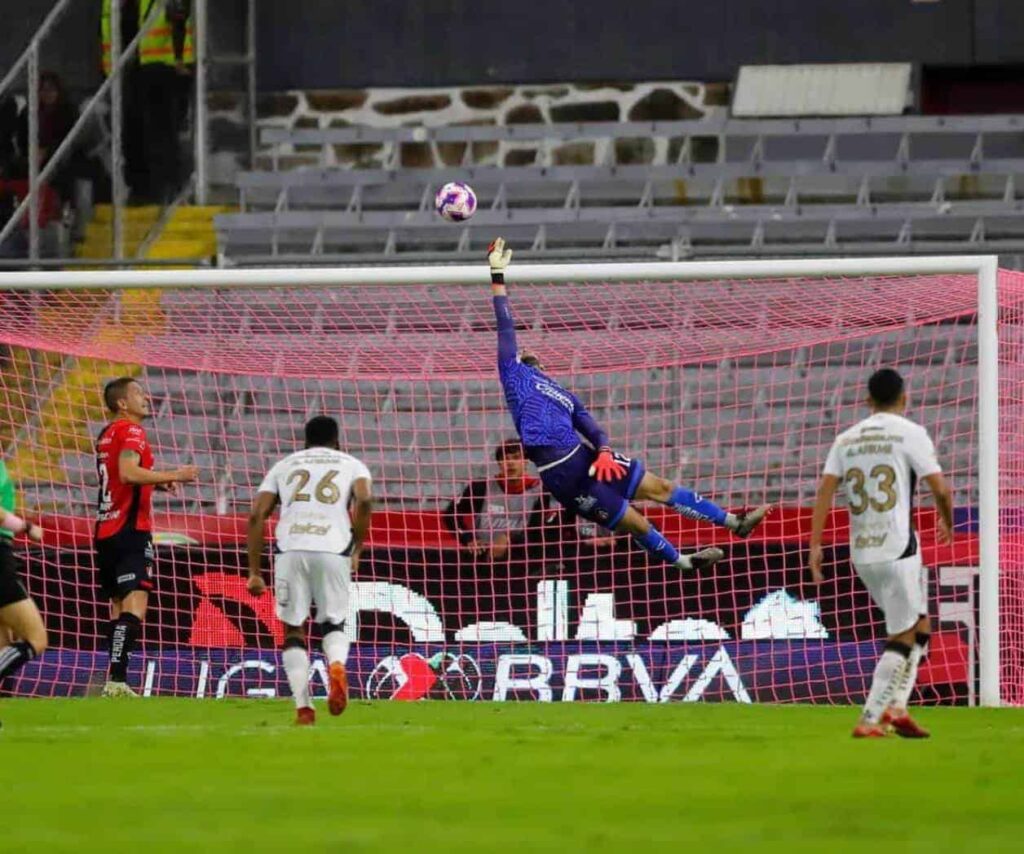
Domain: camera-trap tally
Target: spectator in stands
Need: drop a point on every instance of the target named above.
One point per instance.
(492, 515)
(57, 116)
(157, 92)
(165, 64)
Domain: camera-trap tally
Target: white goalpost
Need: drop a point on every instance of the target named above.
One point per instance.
(731, 376)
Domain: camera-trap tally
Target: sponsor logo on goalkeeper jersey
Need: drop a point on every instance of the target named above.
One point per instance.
(556, 394)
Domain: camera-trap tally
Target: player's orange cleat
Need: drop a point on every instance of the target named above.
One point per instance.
(903, 725)
(337, 698)
(869, 731)
(305, 716)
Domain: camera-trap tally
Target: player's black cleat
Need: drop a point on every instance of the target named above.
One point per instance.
(700, 560)
(750, 520)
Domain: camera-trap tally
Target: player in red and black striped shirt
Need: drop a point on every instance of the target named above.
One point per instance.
(124, 525)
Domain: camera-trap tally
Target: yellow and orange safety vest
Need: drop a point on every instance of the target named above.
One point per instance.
(157, 45)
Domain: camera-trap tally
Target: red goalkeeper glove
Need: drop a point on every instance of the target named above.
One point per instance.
(606, 468)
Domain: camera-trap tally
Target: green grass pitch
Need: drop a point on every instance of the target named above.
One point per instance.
(235, 775)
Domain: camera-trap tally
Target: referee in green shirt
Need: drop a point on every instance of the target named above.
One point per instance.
(20, 620)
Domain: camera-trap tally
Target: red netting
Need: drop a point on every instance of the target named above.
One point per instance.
(735, 388)
(1011, 485)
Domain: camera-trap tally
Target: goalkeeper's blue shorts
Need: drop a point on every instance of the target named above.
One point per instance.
(569, 480)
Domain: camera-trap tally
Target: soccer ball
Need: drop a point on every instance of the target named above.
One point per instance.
(455, 201)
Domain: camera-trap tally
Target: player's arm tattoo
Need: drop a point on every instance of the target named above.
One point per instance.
(128, 466)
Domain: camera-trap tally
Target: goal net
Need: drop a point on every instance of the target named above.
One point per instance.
(474, 585)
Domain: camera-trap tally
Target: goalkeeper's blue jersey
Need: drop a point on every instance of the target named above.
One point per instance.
(548, 417)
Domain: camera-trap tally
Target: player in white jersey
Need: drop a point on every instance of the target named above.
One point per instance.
(879, 461)
(325, 513)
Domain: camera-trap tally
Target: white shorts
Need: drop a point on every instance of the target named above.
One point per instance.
(304, 578)
(900, 589)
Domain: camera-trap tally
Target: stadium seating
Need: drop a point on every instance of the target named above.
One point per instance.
(717, 187)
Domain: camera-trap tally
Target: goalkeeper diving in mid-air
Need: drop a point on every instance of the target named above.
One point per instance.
(594, 482)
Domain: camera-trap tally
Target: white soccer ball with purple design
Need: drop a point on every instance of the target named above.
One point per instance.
(455, 201)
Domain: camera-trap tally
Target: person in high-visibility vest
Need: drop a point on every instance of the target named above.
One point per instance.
(157, 87)
(168, 41)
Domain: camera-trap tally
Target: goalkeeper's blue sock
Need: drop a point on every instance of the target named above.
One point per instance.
(692, 505)
(655, 544)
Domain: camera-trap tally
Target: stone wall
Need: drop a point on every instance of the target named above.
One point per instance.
(502, 105)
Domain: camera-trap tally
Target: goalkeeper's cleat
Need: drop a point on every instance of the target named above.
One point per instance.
(700, 560)
(305, 716)
(903, 725)
(864, 730)
(746, 522)
(118, 689)
(337, 698)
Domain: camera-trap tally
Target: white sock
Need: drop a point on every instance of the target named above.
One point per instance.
(887, 672)
(296, 665)
(905, 684)
(732, 521)
(336, 647)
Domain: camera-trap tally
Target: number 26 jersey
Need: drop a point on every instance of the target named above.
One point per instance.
(879, 461)
(314, 486)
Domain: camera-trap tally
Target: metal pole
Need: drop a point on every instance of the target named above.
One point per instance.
(476, 274)
(250, 101)
(33, 150)
(117, 190)
(199, 136)
(988, 481)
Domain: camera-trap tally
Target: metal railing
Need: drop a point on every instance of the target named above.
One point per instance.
(113, 86)
(30, 57)
(119, 59)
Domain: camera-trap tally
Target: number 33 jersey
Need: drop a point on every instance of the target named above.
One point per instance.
(314, 487)
(879, 462)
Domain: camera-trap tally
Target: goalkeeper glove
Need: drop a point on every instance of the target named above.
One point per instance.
(498, 257)
(605, 467)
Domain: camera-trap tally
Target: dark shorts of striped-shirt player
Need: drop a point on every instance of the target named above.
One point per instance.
(125, 563)
(11, 588)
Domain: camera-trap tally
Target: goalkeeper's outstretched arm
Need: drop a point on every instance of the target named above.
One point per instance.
(499, 257)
